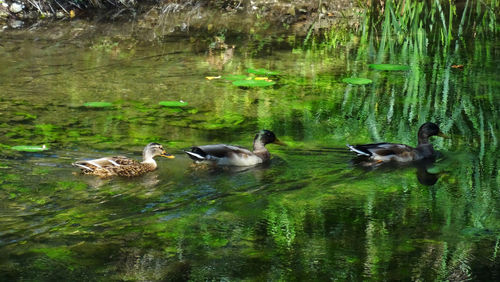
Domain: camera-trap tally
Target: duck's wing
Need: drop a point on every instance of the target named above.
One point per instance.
(219, 151)
(385, 151)
(107, 163)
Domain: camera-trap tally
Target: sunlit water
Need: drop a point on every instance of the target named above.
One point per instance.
(309, 214)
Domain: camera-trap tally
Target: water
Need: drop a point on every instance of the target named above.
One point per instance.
(310, 214)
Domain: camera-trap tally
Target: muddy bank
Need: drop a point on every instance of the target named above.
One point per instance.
(165, 17)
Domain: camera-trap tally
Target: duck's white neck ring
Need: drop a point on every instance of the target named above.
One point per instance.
(258, 145)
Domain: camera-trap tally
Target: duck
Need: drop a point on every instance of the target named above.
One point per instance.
(230, 155)
(390, 152)
(123, 166)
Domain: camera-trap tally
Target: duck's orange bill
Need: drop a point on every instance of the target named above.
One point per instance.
(168, 156)
(278, 142)
(441, 134)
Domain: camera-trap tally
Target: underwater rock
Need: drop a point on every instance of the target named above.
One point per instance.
(16, 23)
(4, 12)
(16, 8)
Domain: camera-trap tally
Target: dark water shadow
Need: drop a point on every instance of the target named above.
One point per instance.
(213, 170)
(422, 173)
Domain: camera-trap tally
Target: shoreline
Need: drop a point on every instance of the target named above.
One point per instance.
(299, 18)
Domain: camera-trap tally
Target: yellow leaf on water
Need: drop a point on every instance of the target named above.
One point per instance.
(212, 77)
(72, 14)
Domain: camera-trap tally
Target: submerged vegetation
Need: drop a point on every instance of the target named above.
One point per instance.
(309, 214)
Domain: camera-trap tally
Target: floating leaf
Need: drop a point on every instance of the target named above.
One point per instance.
(26, 148)
(389, 67)
(253, 83)
(173, 103)
(212, 77)
(357, 80)
(98, 104)
(262, 72)
(233, 77)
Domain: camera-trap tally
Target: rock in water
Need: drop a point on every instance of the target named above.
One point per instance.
(16, 8)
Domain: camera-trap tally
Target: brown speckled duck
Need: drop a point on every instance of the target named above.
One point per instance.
(123, 166)
(387, 152)
(229, 155)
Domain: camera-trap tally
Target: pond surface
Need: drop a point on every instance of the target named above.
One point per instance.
(309, 214)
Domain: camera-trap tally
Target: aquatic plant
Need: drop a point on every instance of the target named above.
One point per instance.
(98, 104)
(262, 71)
(173, 103)
(357, 80)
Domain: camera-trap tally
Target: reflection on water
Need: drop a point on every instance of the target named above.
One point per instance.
(309, 214)
(423, 174)
(422, 168)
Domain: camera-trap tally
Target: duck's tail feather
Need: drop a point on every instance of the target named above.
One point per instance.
(82, 166)
(197, 154)
(358, 150)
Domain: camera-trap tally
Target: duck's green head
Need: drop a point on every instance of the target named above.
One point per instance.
(429, 129)
(267, 137)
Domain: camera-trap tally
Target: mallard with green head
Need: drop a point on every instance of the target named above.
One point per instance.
(123, 166)
(389, 152)
(229, 155)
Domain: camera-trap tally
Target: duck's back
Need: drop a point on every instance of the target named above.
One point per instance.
(110, 166)
(386, 152)
(221, 150)
(223, 154)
